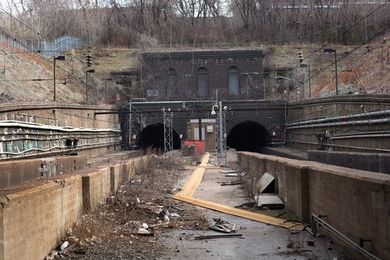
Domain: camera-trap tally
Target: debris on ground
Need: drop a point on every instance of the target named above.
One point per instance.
(223, 226)
(130, 222)
(228, 171)
(228, 183)
(271, 201)
(236, 174)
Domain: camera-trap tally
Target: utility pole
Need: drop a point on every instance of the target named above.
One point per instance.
(168, 130)
(329, 50)
(61, 57)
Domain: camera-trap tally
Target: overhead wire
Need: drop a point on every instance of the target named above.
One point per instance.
(354, 50)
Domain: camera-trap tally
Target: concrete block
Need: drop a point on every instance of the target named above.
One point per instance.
(96, 188)
(355, 202)
(19, 171)
(33, 219)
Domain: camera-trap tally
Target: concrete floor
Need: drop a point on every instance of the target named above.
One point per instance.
(260, 241)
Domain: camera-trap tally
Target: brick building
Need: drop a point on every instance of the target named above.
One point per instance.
(236, 74)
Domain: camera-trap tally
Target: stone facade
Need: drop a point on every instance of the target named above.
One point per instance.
(186, 75)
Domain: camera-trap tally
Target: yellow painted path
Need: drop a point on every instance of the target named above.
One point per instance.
(189, 188)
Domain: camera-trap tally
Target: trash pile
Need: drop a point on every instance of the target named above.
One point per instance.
(129, 223)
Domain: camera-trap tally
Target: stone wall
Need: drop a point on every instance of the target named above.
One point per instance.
(355, 202)
(174, 75)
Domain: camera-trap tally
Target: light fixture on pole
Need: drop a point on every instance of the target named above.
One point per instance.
(213, 113)
(61, 57)
(330, 50)
(220, 133)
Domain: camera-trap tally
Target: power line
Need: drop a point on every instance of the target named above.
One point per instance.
(354, 50)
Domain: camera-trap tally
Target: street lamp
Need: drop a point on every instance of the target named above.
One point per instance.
(221, 130)
(330, 50)
(61, 57)
(86, 83)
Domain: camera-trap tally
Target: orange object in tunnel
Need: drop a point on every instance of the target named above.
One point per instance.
(200, 145)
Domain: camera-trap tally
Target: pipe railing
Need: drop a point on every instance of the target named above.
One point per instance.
(340, 118)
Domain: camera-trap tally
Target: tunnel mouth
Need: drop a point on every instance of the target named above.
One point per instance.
(248, 136)
(152, 136)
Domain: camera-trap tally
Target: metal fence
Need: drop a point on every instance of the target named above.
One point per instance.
(44, 47)
(60, 45)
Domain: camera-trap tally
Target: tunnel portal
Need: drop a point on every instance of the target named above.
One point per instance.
(152, 136)
(248, 136)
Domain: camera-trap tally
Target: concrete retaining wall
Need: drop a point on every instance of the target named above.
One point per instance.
(87, 116)
(34, 217)
(356, 202)
(19, 171)
(375, 162)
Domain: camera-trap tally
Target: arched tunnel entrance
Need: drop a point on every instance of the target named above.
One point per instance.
(247, 136)
(152, 136)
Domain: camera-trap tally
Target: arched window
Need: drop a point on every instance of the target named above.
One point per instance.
(172, 90)
(233, 81)
(203, 82)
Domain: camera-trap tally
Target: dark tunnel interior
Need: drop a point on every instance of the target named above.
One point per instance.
(152, 136)
(247, 136)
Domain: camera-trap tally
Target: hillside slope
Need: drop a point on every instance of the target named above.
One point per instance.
(26, 76)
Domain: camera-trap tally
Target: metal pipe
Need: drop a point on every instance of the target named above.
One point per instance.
(49, 127)
(375, 113)
(42, 154)
(172, 102)
(356, 122)
(359, 136)
(344, 146)
(343, 237)
(364, 133)
(206, 101)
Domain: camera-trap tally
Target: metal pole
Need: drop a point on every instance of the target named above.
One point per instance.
(285, 122)
(86, 86)
(106, 91)
(220, 141)
(200, 126)
(130, 123)
(337, 80)
(54, 78)
(308, 67)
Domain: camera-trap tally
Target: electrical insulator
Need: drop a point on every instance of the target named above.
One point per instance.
(300, 55)
(89, 60)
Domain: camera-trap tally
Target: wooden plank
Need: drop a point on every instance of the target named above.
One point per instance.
(186, 195)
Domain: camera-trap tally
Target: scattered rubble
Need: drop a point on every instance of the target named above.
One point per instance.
(131, 221)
